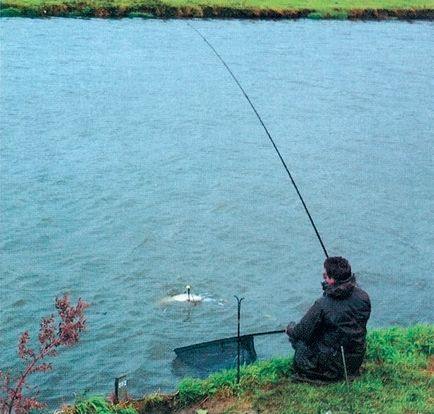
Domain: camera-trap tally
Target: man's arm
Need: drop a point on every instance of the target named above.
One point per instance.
(305, 330)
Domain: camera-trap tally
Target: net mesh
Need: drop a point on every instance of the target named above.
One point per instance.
(216, 355)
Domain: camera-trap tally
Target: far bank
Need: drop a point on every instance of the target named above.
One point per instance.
(224, 9)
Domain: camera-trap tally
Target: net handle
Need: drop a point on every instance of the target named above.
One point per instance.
(233, 338)
(268, 332)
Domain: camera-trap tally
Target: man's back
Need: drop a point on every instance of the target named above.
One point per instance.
(344, 319)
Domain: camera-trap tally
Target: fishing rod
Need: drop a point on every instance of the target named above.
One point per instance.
(268, 134)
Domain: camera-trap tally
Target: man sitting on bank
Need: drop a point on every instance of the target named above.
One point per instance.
(336, 319)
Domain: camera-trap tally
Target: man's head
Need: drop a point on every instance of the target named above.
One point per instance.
(337, 269)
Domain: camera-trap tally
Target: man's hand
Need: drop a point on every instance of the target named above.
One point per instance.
(290, 328)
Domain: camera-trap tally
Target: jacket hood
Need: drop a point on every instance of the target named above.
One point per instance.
(341, 289)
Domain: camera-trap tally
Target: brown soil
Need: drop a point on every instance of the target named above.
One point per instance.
(163, 405)
(384, 14)
(430, 367)
(217, 404)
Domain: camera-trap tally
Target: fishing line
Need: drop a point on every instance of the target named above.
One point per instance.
(268, 134)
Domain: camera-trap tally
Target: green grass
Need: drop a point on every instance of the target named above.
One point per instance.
(251, 376)
(141, 15)
(97, 405)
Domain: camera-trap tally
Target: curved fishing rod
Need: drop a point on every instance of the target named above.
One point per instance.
(268, 134)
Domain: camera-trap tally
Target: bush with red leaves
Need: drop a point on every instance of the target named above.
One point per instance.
(52, 336)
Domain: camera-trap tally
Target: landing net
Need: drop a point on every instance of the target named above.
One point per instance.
(219, 354)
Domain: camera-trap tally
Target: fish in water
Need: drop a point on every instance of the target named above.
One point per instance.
(186, 297)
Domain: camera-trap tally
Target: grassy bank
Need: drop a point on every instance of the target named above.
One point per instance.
(397, 378)
(253, 9)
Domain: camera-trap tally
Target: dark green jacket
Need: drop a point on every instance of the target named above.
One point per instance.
(336, 319)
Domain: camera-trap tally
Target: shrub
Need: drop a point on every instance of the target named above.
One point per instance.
(10, 12)
(52, 336)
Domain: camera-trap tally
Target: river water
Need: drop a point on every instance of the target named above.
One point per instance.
(131, 165)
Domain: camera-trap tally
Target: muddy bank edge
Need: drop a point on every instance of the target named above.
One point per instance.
(163, 11)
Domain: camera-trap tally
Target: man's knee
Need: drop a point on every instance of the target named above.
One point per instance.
(305, 358)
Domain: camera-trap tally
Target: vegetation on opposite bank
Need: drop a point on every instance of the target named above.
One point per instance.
(251, 9)
(397, 377)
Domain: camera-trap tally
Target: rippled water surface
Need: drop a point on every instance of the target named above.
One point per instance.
(131, 165)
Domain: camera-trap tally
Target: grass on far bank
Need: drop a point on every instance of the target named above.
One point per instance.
(311, 4)
(397, 378)
(337, 9)
(271, 4)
